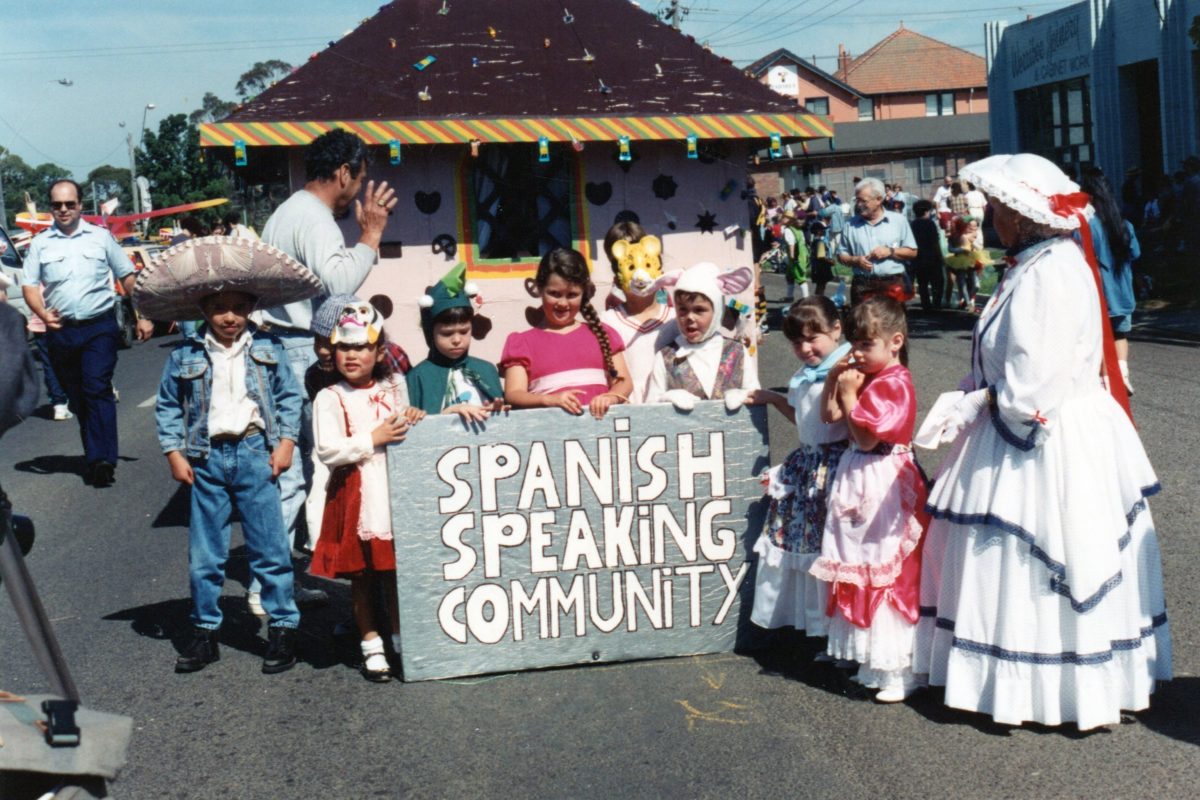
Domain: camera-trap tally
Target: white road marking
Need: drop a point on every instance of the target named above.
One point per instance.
(149, 401)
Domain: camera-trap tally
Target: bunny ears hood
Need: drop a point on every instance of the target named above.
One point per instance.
(709, 280)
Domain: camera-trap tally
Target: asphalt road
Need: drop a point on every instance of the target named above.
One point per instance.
(111, 568)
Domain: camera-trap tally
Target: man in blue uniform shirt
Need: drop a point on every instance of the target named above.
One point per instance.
(76, 263)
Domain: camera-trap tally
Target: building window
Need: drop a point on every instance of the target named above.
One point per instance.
(939, 104)
(1055, 121)
(522, 207)
(866, 108)
(817, 105)
(930, 169)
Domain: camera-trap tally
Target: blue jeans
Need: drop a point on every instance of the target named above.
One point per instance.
(294, 482)
(54, 389)
(84, 359)
(238, 471)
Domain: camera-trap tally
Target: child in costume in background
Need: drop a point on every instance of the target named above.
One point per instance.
(564, 363)
(798, 258)
(451, 381)
(966, 261)
(353, 423)
(871, 549)
(644, 324)
(701, 364)
(784, 593)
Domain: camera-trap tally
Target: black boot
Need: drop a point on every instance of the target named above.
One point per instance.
(281, 651)
(201, 650)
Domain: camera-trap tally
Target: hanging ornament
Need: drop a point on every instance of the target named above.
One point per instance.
(475, 147)
(587, 56)
(543, 150)
(664, 187)
(706, 222)
(474, 61)
(624, 153)
(392, 42)
(804, 146)
(424, 62)
(776, 149)
(424, 95)
(693, 146)
(444, 10)
(546, 43)
(239, 153)
(672, 222)
(658, 70)
(491, 31)
(604, 87)
(568, 17)
(394, 152)
(576, 145)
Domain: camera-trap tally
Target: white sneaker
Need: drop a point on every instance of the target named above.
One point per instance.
(897, 691)
(61, 412)
(254, 601)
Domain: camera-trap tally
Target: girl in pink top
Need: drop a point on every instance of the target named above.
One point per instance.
(564, 362)
(871, 550)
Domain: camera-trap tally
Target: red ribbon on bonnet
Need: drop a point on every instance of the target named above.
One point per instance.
(1073, 204)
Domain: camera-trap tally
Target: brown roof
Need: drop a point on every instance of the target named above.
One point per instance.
(492, 60)
(907, 61)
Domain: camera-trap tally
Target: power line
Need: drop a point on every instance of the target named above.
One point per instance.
(139, 48)
(51, 158)
(789, 32)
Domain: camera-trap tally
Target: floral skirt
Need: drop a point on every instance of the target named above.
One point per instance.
(796, 520)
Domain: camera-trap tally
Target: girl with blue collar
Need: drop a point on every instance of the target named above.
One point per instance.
(785, 594)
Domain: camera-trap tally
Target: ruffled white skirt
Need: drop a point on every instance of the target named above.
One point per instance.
(785, 595)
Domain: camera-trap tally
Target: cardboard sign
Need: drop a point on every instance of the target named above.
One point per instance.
(544, 539)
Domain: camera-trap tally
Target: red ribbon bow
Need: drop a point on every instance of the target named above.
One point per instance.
(1066, 205)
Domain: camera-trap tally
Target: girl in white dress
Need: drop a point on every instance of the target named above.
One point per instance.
(784, 593)
(1041, 588)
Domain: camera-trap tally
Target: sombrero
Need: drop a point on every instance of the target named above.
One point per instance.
(171, 286)
(1032, 186)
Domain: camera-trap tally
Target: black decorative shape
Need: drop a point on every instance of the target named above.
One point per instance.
(664, 187)
(598, 193)
(627, 216)
(428, 202)
(706, 222)
(445, 243)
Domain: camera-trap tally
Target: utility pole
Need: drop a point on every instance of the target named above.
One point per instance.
(133, 174)
(675, 14)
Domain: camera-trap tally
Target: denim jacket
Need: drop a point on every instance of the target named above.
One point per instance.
(183, 394)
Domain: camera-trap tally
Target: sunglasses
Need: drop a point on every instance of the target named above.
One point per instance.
(67, 204)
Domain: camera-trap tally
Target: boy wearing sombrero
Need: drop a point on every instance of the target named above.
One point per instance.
(228, 418)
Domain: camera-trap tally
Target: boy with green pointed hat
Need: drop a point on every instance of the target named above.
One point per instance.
(451, 381)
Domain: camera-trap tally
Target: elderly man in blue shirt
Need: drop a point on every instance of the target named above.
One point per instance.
(875, 244)
(76, 263)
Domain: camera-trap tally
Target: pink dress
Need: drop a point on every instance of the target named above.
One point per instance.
(870, 553)
(556, 362)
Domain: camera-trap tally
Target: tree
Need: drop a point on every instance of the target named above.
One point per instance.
(171, 160)
(212, 108)
(19, 178)
(109, 181)
(260, 76)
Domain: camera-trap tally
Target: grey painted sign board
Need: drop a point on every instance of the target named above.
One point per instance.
(543, 540)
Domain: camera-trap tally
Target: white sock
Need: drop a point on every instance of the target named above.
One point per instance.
(804, 290)
(372, 650)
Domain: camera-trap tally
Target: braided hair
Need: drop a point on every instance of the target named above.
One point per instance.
(571, 267)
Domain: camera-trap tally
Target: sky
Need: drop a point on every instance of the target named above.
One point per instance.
(121, 55)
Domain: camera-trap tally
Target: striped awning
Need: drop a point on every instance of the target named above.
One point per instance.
(523, 129)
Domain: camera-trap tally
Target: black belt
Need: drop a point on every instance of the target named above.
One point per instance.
(79, 323)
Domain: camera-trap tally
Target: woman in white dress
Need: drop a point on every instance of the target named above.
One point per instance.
(1041, 586)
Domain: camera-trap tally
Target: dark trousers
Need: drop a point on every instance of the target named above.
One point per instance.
(53, 387)
(931, 281)
(84, 358)
(862, 287)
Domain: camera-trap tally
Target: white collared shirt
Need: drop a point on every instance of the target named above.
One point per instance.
(230, 409)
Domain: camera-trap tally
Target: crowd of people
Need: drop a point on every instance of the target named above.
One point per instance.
(1024, 578)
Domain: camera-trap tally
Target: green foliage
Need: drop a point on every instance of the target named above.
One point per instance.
(171, 160)
(19, 178)
(212, 108)
(109, 181)
(260, 76)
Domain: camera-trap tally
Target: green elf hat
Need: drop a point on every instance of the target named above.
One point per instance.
(452, 291)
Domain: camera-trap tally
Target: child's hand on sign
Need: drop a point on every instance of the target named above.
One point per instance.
(568, 401)
(469, 412)
(392, 429)
(602, 402)
(413, 415)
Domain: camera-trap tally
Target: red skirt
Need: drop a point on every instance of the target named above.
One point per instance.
(340, 552)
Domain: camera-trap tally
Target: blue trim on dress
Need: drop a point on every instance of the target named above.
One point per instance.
(1006, 433)
(1067, 657)
(1058, 569)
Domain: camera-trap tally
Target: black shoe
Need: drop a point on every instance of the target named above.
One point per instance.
(201, 651)
(281, 651)
(308, 599)
(102, 474)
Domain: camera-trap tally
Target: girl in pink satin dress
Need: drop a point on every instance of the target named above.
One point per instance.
(870, 553)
